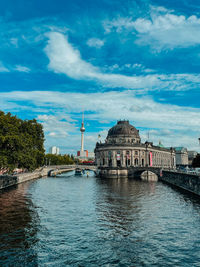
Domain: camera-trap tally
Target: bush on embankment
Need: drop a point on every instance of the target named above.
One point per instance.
(21, 143)
(196, 162)
(52, 159)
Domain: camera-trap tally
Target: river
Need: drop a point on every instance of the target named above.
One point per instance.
(80, 221)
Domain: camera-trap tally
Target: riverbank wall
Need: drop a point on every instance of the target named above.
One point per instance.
(55, 172)
(186, 182)
(10, 180)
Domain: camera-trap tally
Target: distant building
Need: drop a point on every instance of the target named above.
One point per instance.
(54, 150)
(181, 156)
(82, 154)
(91, 155)
(191, 156)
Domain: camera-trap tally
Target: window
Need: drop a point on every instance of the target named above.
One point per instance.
(118, 159)
(128, 162)
(109, 158)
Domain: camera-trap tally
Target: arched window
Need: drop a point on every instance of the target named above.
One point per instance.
(118, 158)
(142, 162)
(110, 158)
(136, 162)
(128, 161)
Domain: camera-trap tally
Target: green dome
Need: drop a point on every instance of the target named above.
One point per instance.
(160, 144)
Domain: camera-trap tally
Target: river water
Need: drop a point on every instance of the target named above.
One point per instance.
(80, 221)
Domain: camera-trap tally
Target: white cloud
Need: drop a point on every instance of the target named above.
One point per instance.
(162, 30)
(169, 31)
(56, 126)
(14, 41)
(64, 58)
(109, 106)
(22, 68)
(3, 68)
(52, 134)
(127, 66)
(16, 68)
(177, 125)
(118, 24)
(137, 66)
(95, 42)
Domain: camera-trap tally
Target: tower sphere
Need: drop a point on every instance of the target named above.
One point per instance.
(82, 129)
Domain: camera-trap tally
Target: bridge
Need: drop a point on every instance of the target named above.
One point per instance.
(136, 172)
(184, 181)
(58, 169)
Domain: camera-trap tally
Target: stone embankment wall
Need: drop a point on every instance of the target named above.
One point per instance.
(59, 171)
(10, 180)
(188, 182)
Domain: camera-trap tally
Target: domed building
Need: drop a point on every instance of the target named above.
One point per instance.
(123, 149)
(123, 132)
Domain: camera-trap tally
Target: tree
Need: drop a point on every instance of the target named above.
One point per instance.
(21, 143)
(196, 161)
(59, 160)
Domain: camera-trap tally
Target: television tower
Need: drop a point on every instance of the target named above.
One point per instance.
(82, 129)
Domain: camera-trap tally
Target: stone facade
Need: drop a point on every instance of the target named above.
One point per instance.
(123, 149)
(181, 156)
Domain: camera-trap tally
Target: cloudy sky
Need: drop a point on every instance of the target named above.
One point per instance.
(137, 60)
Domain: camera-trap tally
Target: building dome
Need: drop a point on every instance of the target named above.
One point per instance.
(160, 145)
(123, 130)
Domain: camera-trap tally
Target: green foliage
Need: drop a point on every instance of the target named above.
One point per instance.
(21, 143)
(196, 161)
(59, 160)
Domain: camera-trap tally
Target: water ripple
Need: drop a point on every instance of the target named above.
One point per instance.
(79, 221)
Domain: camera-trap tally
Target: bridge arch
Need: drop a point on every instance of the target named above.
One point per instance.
(145, 173)
(149, 176)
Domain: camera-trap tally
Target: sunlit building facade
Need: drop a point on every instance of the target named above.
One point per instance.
(123, 149)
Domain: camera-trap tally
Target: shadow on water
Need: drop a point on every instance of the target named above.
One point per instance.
(187, 195)
(122, 200)
(18, 228)
(119, 205)
(139, 215)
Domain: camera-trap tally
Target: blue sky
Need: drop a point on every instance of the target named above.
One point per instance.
(114, 59)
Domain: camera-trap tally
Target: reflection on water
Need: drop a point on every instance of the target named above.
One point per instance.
(80, 221)
(18, 227)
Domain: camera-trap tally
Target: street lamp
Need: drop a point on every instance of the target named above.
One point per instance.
(199, 140)
(146, 145)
